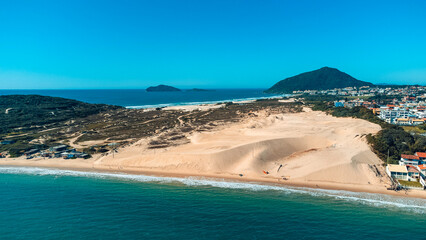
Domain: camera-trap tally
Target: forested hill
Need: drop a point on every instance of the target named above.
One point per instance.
(20, 111)
(321, 79)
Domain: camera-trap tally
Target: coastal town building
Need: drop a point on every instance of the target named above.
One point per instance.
(413, 173)
(31, 152)
(411, 168)
(60, 151)
(407, 106)
(58, 148)
(422, 156)
(390, 114)
(422, 169)
(409, 160)
(397, 171)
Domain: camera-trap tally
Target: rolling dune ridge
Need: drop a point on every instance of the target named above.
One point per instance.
(309, 149)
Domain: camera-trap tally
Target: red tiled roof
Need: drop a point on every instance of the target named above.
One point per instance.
(411, 169)
(422, 167)
(405, 156)
(421, 154)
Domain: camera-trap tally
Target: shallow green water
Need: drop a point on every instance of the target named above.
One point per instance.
(57, 204)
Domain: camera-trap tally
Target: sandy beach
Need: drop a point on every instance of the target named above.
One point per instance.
(308, 149)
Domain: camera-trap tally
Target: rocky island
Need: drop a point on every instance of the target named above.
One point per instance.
(163, 88)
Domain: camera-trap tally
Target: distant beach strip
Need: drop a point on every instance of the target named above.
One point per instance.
(237, 100)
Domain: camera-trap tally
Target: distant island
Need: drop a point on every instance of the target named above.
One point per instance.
(321, 79)
(163, 88)
(199, 90)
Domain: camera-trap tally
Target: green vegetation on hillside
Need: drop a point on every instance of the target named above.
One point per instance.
(397, 142)
(321, 79)
(25, 118)
(24, 111)
(415, 129)
(117, 126)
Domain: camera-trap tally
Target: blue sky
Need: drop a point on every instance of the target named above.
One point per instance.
(210, 44)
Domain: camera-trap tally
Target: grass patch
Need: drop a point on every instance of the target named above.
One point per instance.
(410, 183)
(414, 129)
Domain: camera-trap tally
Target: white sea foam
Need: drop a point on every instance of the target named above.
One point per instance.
(377, 200)
(161, 105)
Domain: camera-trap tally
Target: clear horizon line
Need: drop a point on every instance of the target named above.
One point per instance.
(127, 88)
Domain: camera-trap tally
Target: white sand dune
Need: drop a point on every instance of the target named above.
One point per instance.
(309, 147)
(302, 149)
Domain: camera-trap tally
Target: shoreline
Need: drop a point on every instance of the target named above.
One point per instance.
(229, 178)
(305, 149)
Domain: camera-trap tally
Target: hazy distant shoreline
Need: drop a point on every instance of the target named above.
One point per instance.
(207, 102)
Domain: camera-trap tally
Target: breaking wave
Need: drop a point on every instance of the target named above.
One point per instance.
(378, 200)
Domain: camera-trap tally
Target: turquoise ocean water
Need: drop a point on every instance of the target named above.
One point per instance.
(41, 203)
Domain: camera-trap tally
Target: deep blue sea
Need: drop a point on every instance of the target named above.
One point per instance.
(139, 98)
(58, 204)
